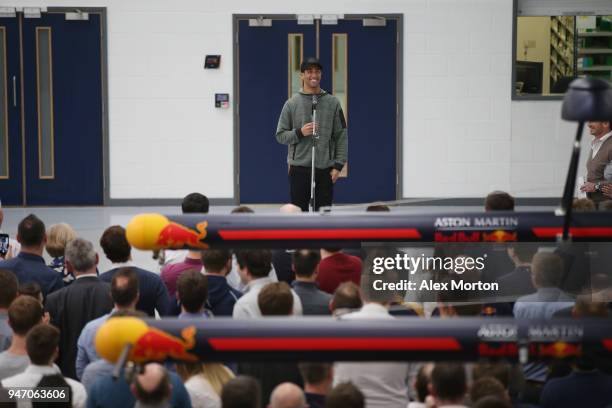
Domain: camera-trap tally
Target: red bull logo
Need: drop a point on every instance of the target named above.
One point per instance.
(148, 343)
(558, 349)
(498, 349)
(176, 235)
(457, 236)
(499, 236)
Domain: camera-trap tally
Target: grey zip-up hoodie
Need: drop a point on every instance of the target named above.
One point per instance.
(332, 147)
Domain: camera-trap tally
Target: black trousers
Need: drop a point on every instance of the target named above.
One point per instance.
(299, 184)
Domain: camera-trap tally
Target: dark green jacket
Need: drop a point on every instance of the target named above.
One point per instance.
(332, 147)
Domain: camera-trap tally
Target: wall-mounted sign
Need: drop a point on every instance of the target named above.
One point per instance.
(222, 100)
(212, 61)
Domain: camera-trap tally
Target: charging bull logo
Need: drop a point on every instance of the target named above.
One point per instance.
(499, 236)
(148, 343)
(176, 235)
(559, 349)
(155, 231)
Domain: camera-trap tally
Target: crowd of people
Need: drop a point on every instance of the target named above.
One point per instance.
(50, 313)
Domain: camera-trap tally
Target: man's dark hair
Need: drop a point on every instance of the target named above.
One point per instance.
(422, 381)
(499, 201)
(214, 260)
(115, 244)
(257, 261)
(124, 286)
(345, 395)
(486, 387)
(347, 296)
(41, 343)
(243, 209)
(498, 370)
(315, 373)
(192, 290)
(275, 299)
(241, 392)
(448, 381)
(195, 203)
(157, 395)
(24, 313)
(305, 262)
(31, 289)
(31, 231)
(378, 208)
(9, 288)
(55, 381)
(492, 402)
(310, 62)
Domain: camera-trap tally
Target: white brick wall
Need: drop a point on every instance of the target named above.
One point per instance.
(460, 126)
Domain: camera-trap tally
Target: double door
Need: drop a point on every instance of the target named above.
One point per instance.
(51, 109)
(360, 67)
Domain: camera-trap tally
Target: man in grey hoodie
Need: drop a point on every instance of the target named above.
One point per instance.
(295, 129)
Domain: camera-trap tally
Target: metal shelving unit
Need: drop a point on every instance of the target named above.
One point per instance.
(561, 47)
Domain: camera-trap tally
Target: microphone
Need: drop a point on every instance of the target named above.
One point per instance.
(314, 116)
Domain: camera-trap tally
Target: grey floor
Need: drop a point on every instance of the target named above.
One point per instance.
(90, 222)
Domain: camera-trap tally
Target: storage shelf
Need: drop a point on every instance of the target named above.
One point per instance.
(562, 55)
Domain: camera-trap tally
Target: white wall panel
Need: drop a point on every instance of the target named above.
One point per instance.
(460, 126)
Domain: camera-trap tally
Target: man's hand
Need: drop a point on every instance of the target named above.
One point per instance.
(606, 189)
(307, 129)
(334, 175)
(8, 253)
(588, 187)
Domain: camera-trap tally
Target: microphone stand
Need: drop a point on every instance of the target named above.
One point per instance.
(315, 138)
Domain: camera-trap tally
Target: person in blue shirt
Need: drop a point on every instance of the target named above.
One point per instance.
(29, 265)
(108, 392)
(153, 292)
(221, 296)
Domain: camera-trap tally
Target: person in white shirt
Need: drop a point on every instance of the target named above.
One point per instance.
(42, 347)
(600, 157)
(24, 313)
(384, 384)
(254, 267)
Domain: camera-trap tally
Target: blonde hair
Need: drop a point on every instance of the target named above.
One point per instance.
(215, 373)
(58, 236)
(583, 204)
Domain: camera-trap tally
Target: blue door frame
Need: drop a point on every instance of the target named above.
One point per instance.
(372, 108)
(75, 115)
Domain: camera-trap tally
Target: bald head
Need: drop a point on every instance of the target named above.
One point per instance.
(290, 209)
(153, 385)
(287, 395)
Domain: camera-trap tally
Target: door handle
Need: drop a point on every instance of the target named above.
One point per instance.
(14, 91)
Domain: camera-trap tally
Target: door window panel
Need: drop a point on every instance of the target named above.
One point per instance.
(4, 158)
(296, 55)
(340, 68)
(44, 72)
